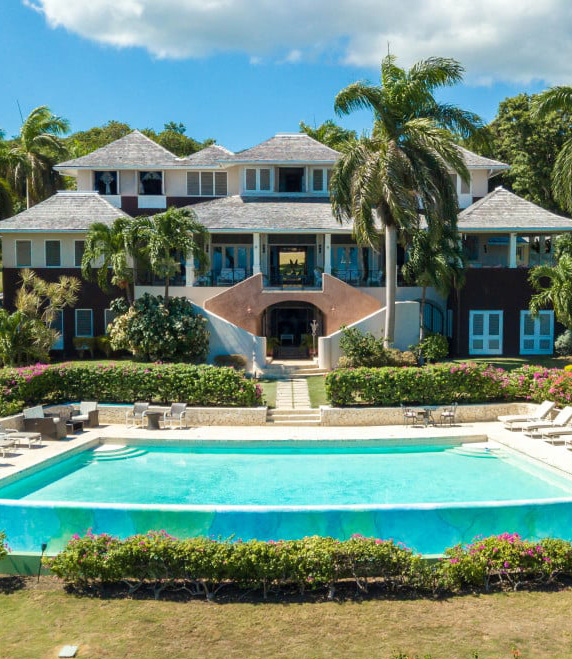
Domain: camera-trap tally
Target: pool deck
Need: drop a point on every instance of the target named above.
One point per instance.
(22, 459)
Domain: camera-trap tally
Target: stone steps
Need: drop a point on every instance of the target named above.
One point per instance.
(294, 417)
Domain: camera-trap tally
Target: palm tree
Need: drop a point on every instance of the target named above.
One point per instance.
(381, 181)
(434, 259)
(554, 283)
(109, 247)
(163, 238)
(32, 158)
(6, 200)
(558, 99)
(329, 133)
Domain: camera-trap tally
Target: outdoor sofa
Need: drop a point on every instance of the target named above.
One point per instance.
(35, 420)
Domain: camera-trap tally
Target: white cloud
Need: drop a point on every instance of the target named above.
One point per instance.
(514, 40)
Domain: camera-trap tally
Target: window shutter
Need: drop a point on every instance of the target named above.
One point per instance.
(265, 179)
(478, 324)
(494, 324)
(220, 184)
(53, 253)
(23, 253)
(207, 187)
(83, 322)
(79, 250)
(193, 188)
(251, 179)
(318, 180)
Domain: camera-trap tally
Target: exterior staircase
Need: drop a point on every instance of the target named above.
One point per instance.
(303, 368)
(293, 404)
(294, 417)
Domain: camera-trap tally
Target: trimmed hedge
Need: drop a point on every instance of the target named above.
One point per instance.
(197, 385)
(204, 565)
(446, 383)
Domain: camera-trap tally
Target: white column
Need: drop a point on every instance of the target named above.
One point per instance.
(190, 270)
(328, 253)
(512, 251)
(256, 254)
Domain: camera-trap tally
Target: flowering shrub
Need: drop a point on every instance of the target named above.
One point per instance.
(443, 383)
(505, 558)
(197, 385)
(3, 545)
(204, 565)
(158, 559)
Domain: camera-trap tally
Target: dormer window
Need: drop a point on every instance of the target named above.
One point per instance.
(321, 179)
(291, 179)
(257, 179)
(105, 182)
(150, 183)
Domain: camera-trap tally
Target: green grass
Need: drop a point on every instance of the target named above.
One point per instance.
(509, 363)
(269, 390)
(317, 390)
(39, 619)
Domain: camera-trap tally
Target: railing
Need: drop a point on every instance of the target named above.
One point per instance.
(296, 278)
(223, 277)
(149, 279)
(365, 278)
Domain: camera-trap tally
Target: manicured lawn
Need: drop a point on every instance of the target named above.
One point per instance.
(37, 621)
(509, 363)
(317, 390)
(269, 390)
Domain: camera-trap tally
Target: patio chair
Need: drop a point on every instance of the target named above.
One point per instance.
(177, 413)
(35, 420)
(554, 435)
(19, 436)
(138, 413)
(448, 414)
(6, 444)
(409, 414)
(561, 420)
(515, 421)
(87, 413)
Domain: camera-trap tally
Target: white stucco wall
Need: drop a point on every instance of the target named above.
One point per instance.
(84, 180)
(128, 182)
(406, 332)
(175, 183)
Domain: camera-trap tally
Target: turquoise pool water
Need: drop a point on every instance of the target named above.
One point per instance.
(429, 497)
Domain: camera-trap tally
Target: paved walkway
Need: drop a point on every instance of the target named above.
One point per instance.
(292, 394)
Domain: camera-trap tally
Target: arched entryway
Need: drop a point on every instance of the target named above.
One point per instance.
(288, 329)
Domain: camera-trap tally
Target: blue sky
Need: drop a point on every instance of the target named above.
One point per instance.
(241, 72)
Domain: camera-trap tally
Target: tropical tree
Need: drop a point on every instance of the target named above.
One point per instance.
(163, 239)
(329, 133)
(34, 153)
(554, 283)
(559, 100)
(107, 255)
(381, 181)
(434, 259)
(6, 200)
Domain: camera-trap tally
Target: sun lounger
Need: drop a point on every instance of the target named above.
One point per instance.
(515, 421)
(554, 435)
(6, 444)
(562, 419)
(20, 437)
(138, 413)
(176, 413)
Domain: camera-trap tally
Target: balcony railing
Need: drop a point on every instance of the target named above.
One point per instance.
(145, 278)
(223, 277)
(294, 278)
(365, 278)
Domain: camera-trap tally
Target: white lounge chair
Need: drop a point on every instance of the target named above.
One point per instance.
(6, 444)
(515, 421)
(19, 436)
(554, 435)
(561, 420)
(138, 413)
(177, 413)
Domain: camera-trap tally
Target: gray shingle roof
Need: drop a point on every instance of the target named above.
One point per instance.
(211, 155)
(503, 210)
(133, 150)
(64, 211)
(289, 147)
(474, 161)
(259, 213)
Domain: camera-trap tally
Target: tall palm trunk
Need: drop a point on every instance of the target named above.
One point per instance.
(390, 282)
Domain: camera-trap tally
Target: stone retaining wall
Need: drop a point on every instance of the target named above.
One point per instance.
(393, 416)
(197, 416)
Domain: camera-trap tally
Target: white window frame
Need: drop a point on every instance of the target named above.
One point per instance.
(536, 337)
(93, 172)
(20, 265)
(325, 188)
(257, 170)
(458, 183)
(200, 172)
(138, 180)
(74, 252)
(83, 336)
(485, 350)
(52, 240)
(58, 344)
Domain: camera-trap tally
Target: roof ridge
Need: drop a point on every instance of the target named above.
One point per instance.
(136, 130)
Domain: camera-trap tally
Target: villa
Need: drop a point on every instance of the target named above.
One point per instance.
(278, 258)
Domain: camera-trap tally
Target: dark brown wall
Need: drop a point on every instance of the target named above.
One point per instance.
(89, 297)
(491, 289)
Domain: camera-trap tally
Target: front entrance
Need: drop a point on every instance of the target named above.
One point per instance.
(287, 326)
(292, 266)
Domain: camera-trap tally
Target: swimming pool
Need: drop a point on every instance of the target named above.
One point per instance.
(428, 496)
